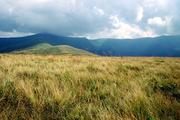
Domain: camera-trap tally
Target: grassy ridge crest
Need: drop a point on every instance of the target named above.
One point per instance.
(47, 49)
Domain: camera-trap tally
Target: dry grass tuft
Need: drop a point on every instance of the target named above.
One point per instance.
(72, 87)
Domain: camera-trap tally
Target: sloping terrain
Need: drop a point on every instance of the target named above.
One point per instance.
(12, 44)
(158, 46)
(167, 46)
(47, 49)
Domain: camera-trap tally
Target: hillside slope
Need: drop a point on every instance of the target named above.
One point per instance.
(157, 46)
(12, 44)
(167, 46)
(47, 49)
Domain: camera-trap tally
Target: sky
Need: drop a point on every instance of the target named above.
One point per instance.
(90, 18)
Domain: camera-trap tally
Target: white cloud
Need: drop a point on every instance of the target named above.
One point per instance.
(122, 30)
(158, 21)
(99, 11)
(13, 33)
(140, 14)
(42, 1)
(115, 20)
(125, 31)
(157, 3)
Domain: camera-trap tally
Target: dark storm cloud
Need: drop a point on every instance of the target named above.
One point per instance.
(95, 18)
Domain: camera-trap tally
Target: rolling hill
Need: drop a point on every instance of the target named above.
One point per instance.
(47, 49)
(167, 46)
(11, 44)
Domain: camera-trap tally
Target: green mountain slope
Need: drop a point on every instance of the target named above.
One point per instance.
(162, 46)
(47, 49)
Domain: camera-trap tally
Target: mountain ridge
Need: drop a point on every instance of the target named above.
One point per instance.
(163, 46)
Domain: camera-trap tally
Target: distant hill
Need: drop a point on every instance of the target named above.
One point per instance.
(11, 44)
(159, 46)
(47, 49)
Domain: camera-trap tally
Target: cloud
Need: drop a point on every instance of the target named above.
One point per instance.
(122, 29)
(137, 18)
(140, 14)
(158, 21)
(13, 33)
(162, 25)
(99, 11)
(115, 20)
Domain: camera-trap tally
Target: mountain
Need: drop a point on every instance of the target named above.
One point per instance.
(47, 49)
(11, 44)
(158, 46)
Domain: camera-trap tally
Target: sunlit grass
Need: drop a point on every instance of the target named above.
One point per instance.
(73, 87)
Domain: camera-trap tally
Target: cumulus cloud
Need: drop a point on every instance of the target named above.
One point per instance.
(122, 29)
(158, 21)
(140, 14)
(117, 18)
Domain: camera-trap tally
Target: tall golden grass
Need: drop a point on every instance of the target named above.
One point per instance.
(36, 87)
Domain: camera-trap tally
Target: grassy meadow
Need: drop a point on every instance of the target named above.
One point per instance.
(34, 87)
(48, 49)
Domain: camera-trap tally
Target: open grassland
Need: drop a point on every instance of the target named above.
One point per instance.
(47, 49)
(70, 87)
